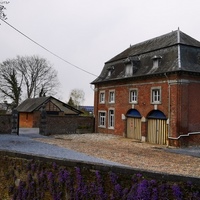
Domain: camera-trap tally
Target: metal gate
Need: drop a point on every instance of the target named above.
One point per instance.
(134, 128)
(157, 131)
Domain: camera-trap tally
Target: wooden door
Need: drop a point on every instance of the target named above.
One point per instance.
(134, 128)
(157, 131)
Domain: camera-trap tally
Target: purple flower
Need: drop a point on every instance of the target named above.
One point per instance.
(33, 167)
(143, 190)
(113, 178)
(63, 176)
(155, 195)
(55, 167)
(177, 192)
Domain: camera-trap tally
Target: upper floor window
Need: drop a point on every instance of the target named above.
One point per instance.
(102, 118)
(102, 97)
(133, 96)
(111, 118)
(156, 95)
(111, 96)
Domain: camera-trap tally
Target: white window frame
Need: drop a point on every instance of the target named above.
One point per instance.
(133, 95)
(129, 70)
(102, 119)
(111, 96)
(102, 97)
(111, 118)
(156, 95)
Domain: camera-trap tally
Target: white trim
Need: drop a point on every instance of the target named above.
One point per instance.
(111, 127)
(186, 135)
(102, 92)
(111, 91)
(131, 90)
(151, 83)
(101, 111)
(160, 95)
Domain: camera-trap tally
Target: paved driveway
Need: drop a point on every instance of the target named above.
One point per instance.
(25, 143)
(191, 151)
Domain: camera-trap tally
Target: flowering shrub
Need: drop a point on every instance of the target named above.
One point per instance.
(43, 181)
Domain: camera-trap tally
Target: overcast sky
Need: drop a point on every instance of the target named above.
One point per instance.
(87, 33)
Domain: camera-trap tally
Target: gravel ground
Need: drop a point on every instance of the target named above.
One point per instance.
(132, 153)
(107, 149)
(30, 143)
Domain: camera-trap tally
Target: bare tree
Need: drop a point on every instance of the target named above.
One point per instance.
(71, 102)
(30, 76)
(10, 81)
(2, 8)
(77, 96)
(40, 79)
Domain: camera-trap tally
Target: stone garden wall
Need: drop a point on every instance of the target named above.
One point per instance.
(5, 124)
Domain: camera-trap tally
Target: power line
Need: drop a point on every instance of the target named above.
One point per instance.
(48, 50)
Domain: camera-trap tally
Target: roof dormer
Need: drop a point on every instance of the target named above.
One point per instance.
(110, 70)
(131, 65)
(156, 61)
(128, 67)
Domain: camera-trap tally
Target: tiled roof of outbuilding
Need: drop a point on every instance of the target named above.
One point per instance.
(31, 104)
(177, 50)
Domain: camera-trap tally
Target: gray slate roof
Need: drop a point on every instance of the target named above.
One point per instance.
(32, 104)
(177, 50)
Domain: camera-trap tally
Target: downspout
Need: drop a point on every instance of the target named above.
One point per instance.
(169, 107)
(96, 106)
(179, 67)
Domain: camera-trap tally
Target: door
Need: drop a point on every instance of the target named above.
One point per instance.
(134, 128)
(157, 131)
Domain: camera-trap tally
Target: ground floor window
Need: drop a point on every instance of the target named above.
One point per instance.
(102, 118)
(111, 119)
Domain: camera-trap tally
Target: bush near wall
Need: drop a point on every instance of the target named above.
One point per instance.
(5, 124)
(47, 179)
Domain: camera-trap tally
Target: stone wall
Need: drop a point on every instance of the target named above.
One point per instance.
(67, 124)
(120, 170)
(5, 124)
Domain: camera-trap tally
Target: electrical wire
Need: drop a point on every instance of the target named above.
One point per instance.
(48, 50)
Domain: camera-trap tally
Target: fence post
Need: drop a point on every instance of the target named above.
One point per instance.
(15, 122)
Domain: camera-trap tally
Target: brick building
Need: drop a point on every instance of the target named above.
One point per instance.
(151, 91)
(30, 110)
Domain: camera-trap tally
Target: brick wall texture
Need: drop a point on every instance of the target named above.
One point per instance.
(180, 94)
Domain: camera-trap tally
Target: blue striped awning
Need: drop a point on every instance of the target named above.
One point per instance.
(133, 113)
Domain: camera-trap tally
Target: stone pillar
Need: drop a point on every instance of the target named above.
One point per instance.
(43, 122)
(15, 122)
